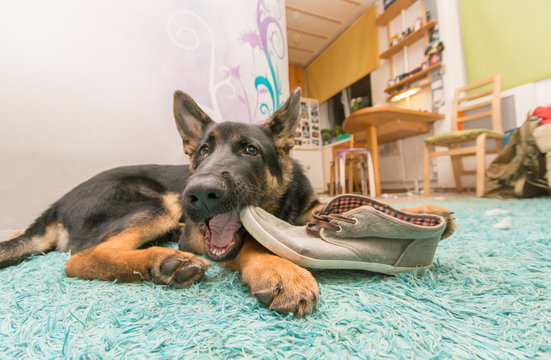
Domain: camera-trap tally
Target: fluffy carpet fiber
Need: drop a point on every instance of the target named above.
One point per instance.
(487, 296)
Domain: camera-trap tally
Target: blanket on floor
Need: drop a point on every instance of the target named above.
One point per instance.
(487, 296)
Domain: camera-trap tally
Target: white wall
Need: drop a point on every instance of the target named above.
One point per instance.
(529, 96)
(543, 92)
(87, 85)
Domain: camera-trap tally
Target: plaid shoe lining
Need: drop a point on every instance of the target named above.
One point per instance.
(347, 203)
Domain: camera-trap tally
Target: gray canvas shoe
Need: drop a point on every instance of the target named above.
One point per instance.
(352, 232)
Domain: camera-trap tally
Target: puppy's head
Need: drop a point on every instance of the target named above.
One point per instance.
(234, 165)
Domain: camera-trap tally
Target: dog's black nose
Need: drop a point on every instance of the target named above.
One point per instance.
(204, 195)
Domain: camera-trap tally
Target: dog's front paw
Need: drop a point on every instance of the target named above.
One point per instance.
(284, 287)
(179, 270)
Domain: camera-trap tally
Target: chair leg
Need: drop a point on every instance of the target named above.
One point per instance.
(341, 189)
(426, 170)
(350, 171)
(371, 175)
(332, 180)
(480, 164)
(499, 145)
(457, 167)
(363, 175)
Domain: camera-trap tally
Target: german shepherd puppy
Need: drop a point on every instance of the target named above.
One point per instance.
(106, 221)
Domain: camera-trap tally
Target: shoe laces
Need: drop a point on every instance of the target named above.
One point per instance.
(321, 220)
(324, 221)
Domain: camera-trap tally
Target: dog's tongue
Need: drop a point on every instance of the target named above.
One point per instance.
(222, 228)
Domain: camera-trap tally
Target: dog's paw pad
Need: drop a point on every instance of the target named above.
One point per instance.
(181, 276)
(170, 265)
(179, 271)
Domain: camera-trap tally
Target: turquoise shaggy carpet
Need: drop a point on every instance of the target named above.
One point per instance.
(488, 296)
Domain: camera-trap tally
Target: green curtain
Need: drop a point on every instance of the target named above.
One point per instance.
(510, 37)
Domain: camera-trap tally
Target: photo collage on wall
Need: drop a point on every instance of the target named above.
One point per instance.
(307, 133)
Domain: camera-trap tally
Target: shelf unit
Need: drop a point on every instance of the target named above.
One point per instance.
(393, 11)
(421, 74)
(410, 39)
(397, 9)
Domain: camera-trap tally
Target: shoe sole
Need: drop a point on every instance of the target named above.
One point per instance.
(264, 238)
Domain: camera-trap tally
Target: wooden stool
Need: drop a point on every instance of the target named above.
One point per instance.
(339, 170)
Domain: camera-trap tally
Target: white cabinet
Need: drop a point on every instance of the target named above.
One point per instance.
(311, 161)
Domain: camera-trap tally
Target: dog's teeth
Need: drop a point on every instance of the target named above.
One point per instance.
(217, 251)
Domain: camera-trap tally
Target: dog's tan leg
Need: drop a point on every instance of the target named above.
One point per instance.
(436, 210)
(118, 258)
(276, 282)
(17, 234)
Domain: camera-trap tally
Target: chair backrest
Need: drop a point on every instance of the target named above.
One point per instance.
(475, 91)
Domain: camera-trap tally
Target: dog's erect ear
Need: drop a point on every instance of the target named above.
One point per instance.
(190, 120)
(283, 122)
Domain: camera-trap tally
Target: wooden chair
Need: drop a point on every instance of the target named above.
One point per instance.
(456, 139)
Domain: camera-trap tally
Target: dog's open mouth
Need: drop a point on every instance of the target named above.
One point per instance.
(223, 236)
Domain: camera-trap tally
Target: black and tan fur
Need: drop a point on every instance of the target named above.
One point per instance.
(108, 221)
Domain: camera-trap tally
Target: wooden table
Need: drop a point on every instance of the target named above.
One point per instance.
(385, 124)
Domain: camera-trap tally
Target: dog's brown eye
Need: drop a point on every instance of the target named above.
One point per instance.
(204, 150)
(251, 150)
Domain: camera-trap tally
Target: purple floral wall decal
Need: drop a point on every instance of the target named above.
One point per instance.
(236, 60)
